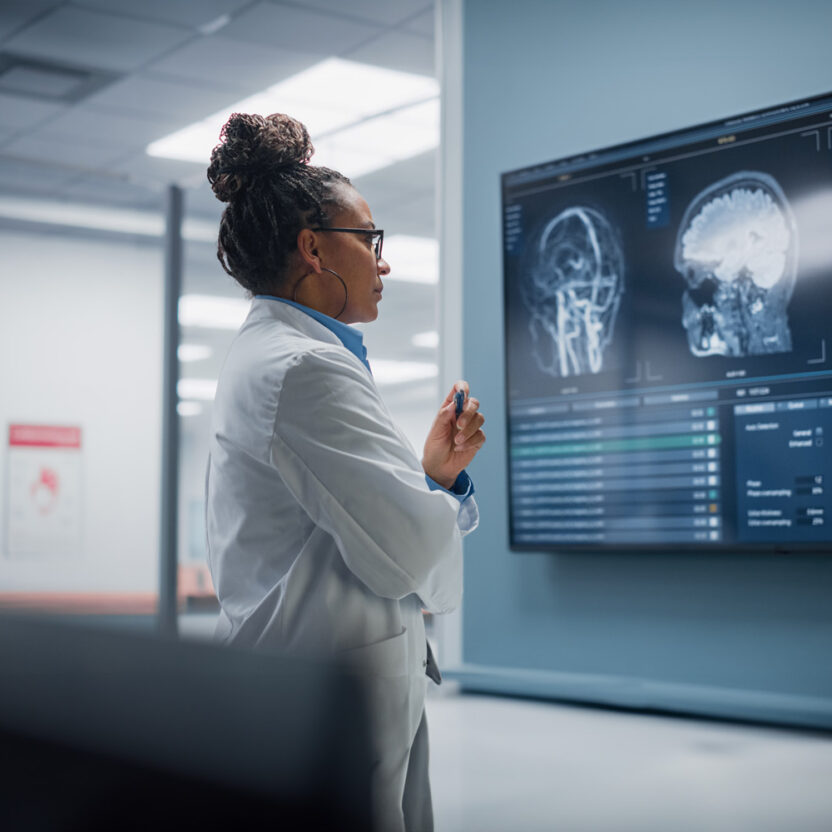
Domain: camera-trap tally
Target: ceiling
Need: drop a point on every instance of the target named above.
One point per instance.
(85, 85)
(161, 64)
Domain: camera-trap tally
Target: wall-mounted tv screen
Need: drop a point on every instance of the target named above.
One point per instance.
(668, 320)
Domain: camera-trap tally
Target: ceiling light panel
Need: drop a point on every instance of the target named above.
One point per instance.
(188, 353)
(212, 311)
(201, 389)
(412, 259)
(189, 408)
(426, 340)
(381, 141)
(387, 372)
(364, 116)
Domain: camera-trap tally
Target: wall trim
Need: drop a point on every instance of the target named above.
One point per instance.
(647, 695)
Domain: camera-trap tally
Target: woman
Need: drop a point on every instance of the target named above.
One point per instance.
(326, 532)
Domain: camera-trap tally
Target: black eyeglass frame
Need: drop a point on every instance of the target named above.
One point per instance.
(376, 233)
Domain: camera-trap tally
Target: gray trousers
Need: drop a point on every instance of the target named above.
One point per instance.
(416, 802)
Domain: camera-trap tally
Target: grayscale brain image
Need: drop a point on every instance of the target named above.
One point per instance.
(572, 292)
(737, 250)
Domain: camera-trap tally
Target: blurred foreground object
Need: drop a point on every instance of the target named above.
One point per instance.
(103, 730)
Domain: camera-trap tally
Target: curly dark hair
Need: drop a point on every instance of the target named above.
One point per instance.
(260, 168)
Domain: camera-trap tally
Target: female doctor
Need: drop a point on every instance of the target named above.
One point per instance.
(326, 532)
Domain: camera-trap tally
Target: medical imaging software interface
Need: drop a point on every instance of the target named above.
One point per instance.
(668, 313)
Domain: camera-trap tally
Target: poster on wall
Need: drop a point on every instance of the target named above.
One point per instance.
(43, 494)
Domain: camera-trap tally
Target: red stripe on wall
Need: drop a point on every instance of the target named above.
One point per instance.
(44, 436)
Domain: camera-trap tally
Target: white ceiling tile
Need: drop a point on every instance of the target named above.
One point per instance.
(299, 29)
(398, 50)
(140, 94)
(416, 217)
(143, 168)
(382, 12)
(97, 190)
(109, 129)
(94, 39)
(417, 174)
(423, 24)
(17, 113)
(77, 153)
(192, 13)
(233, 64)
(31, 177)
(15, 14)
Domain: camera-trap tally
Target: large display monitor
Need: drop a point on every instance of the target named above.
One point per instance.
(668, 321)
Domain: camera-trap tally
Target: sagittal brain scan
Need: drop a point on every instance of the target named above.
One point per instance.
(668, 339)
(737, 251)
(572, 292)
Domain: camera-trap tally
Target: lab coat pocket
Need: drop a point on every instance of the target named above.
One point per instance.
(386, 658)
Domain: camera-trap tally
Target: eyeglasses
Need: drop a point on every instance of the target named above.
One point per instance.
(376, 236)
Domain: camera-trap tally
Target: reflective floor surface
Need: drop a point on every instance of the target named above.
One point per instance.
(509, 764)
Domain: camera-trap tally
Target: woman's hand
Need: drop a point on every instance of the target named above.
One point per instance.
(453, 441)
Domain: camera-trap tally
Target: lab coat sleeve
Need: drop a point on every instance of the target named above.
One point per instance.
(340, 455)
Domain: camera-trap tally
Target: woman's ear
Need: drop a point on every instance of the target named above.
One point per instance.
(308, 249)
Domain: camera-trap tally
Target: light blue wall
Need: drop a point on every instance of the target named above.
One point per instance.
(728, 634)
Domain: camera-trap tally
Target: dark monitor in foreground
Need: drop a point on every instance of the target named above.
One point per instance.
(668, 318)
(106, 731)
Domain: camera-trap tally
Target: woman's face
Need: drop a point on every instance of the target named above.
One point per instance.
(352, 256)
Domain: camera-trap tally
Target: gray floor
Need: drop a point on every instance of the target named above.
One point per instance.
(510, 765)
(507, 764)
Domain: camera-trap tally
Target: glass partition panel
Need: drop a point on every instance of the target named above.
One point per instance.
(80, 408)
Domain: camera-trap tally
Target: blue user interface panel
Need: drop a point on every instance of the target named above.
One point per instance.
(668, 312)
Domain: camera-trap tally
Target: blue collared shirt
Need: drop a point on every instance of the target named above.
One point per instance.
(353, 340)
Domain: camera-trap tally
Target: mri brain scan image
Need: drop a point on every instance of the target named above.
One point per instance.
(572, 292)
(737, 251)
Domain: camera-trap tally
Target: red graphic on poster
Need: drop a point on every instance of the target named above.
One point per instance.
(43, 498)
(44, 491)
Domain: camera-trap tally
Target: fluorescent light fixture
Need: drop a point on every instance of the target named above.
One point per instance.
(360, 117)
(426, 339)
(398, 372)
(212, 311)
(193, 352)
(189, 408)
(79, 215)
(378, 142)
(412, 259)
(384, 373)
(203, 389)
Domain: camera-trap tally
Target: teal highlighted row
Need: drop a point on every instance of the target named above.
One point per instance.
(645, 443)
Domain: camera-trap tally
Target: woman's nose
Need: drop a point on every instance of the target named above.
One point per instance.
(383, 266)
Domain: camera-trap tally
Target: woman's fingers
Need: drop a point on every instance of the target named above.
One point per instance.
(458, 385)
(473, 443)
(470, 409)
(470, 422)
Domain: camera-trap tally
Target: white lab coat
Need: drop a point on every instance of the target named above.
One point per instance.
(323, 535)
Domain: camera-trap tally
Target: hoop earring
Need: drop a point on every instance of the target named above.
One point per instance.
(346, 293)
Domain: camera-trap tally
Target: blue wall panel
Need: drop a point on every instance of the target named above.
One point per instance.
(729, 634)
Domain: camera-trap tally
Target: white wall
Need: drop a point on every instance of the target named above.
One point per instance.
(81, 344)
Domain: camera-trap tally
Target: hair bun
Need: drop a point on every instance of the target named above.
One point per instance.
(253, 147)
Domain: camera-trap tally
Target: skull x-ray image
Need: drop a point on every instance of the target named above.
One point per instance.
(737, 251)
(572, 291)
